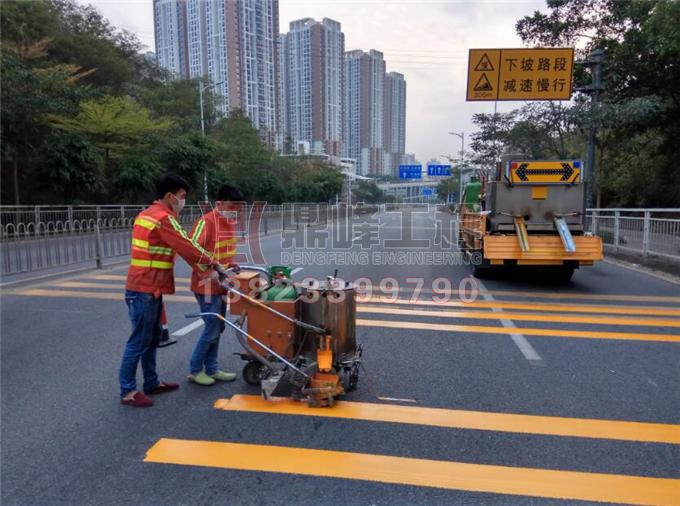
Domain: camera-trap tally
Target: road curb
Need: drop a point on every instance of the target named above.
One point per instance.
(644, 270)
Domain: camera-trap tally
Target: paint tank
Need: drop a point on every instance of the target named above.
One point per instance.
(331, 305)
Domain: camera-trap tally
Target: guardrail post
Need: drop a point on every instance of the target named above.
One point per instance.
(37, 215)
(98, 245)
(617, 215)
(122, 213)
(645, 234)
(70, 215)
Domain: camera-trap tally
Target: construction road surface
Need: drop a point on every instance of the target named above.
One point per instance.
(507, 390)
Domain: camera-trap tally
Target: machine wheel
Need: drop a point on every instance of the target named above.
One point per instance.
(253, 373)
(350, 378)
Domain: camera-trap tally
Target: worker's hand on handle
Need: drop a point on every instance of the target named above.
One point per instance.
(224, 272)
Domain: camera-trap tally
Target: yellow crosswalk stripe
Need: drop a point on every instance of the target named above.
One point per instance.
(568, 485)
(551, 317)
(534, 306)
(463, 419)
(495, 293)
(39, 292)
(565, 295)
(365, 308)
(585, 334)
(470, 329)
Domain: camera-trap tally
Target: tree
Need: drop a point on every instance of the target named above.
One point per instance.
(111, 123)
(72, 167)
(489, 141)
(641, 41)
(446, 187)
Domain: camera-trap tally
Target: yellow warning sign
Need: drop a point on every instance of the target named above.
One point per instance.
(520, 74)
(483, 74)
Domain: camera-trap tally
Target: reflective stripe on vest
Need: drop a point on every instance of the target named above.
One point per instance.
(152, 264)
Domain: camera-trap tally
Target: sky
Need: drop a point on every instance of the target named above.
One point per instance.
(426, 40)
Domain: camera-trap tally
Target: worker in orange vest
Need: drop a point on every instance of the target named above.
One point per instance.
(215, 231)
(156, 237)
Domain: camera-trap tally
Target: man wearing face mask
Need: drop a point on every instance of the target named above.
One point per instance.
(156, 237)
(215, 231)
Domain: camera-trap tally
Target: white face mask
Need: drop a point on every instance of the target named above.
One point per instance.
(179, 206)
(229, 215)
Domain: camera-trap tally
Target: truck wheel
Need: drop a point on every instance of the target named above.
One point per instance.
(563, 274)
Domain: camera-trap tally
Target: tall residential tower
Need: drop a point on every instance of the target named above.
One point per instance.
(232, 43)
(312, 80)
(394, 128)
(364, 108)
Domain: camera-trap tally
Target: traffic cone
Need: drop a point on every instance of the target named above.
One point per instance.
(165, 340)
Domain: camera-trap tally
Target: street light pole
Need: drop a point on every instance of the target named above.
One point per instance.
(201, 88)
(462, 162)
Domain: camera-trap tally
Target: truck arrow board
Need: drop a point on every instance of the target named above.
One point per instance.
(544, 172)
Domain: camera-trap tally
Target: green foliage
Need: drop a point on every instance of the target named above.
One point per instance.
(72, 168)
(112, 123)
(638, 118)
(368, 192)
(447, 186)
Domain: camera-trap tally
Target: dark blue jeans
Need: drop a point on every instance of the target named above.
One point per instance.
(205, 351)
(144, 312)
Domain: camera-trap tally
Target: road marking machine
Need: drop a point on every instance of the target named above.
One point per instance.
(299, 341)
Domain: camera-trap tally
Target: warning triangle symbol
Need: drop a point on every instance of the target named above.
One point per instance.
(484, 64)
(483, 84)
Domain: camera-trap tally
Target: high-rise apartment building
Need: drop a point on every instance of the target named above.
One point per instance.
(170, 34)
(232, 43)
(364, 108)
(312, 79)
(394, 127)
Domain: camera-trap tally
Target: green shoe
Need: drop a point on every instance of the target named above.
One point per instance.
(224, 376)
(201, 379)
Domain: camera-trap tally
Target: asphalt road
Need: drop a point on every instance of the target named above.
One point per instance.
(573, 359)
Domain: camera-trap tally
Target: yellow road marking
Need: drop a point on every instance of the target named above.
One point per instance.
(462, 419)
(586, 334)
(113, 286)
(570, 485)
(562, 295)
(479, 315)
(37, 292)
(528, 306)
(497, 293)
(362, 308)
(114, 277)
(536, 306)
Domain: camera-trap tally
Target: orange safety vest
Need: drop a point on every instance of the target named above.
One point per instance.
(156, 237)
(218, 236)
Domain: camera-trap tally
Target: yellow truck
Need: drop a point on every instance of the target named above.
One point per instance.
(532, 213)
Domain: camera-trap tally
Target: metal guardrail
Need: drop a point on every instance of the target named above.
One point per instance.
(35, 238)
(641, 231)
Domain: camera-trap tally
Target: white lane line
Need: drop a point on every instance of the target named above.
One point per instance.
(396, 399)
(185, 330)
(359, 237)
(520, 341)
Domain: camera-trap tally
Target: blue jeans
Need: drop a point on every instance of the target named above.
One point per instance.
(205, 351)
(144, 312)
